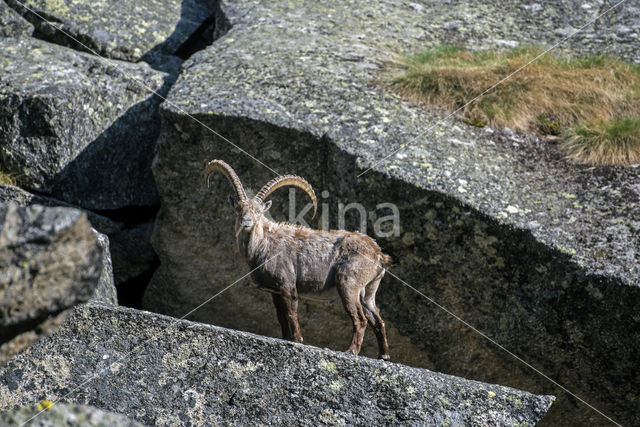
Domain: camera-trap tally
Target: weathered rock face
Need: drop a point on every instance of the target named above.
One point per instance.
(64, 415)
(105, 291)
(50, 260)
(147, 30)
(76, 128)
(160, 371)
(540, 254)
(12, 24)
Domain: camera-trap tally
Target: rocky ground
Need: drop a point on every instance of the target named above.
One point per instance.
(160, 371)
(540, 254)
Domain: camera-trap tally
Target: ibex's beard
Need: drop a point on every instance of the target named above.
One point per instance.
(243, 228)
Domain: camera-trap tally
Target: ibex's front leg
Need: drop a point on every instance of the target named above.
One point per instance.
(281, 310)
(287, 306)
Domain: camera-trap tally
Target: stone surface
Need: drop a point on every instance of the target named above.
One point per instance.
(77, 128)
(132, 257)
(147, 30)
(540, 254)
(160, 371)
(12, 24)
(65, 415)
(50, 260)
(105, 291)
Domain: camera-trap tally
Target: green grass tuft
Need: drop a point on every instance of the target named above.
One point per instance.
(613, 142)
(576, 98)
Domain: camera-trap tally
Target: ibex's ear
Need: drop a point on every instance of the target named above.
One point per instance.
(232, 200)
(267, 205)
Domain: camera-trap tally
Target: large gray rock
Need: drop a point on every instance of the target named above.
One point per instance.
(12, 24)
(76, 127)
(162, 371)
(50, 260)
(540, 254)
(148, 30)
(65, 415)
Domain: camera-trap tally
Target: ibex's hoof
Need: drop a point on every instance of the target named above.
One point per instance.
(384, 357)
(351, 351)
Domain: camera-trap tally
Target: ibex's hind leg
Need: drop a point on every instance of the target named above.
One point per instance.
(373, 315)
(350, 296)
(281, 310)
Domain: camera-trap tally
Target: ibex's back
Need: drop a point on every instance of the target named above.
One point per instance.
(289, 259)
(311, 257)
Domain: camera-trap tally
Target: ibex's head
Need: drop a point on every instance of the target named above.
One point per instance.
(250, 211)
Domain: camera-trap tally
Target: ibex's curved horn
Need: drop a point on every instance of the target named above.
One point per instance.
(226, 170)
(286, 180)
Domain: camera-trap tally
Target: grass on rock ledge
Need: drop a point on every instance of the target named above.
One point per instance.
(6, 178)
(591, 102)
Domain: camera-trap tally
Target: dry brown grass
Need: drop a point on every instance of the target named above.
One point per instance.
(553, 95)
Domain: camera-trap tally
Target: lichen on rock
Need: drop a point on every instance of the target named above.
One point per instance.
(50, 260)
(65, 414)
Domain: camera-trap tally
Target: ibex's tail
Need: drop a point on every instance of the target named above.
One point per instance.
(386, 261)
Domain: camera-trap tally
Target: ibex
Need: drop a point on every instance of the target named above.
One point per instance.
(290, 259)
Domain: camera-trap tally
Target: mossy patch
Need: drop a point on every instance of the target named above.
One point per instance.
(592, 102)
